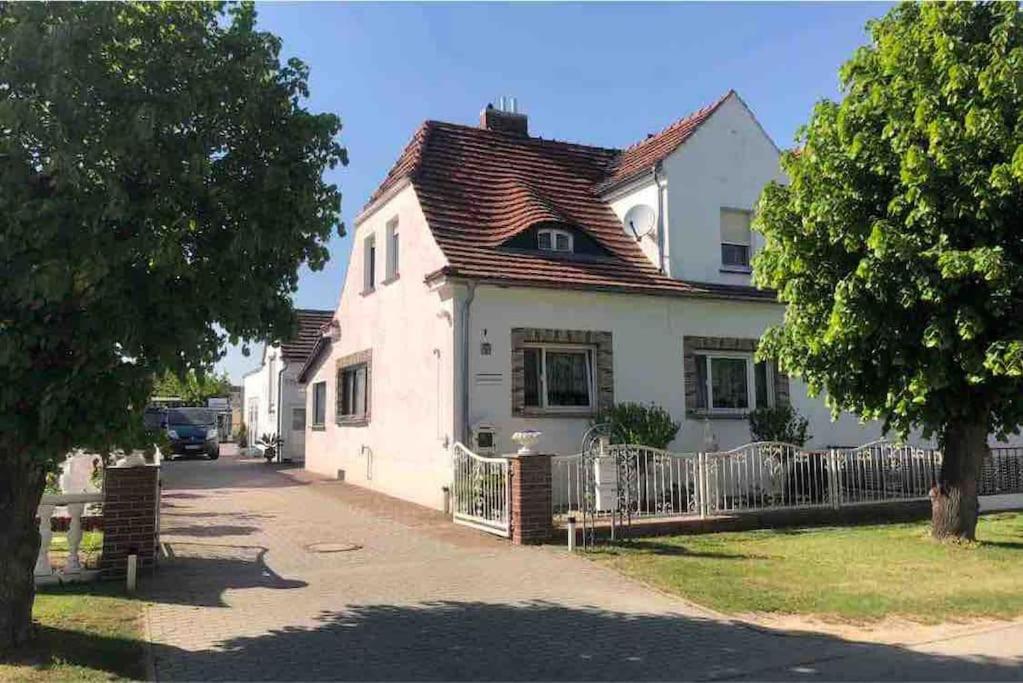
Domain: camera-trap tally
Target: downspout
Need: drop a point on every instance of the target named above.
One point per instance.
(466, 311)
(660, 220)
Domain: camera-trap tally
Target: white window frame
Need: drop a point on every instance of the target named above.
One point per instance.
(393, 249)
(554, 233)
(369, 266)
(591, 352)
(751, 382)
(738, 267)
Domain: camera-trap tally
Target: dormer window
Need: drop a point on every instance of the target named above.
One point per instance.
(550, 239)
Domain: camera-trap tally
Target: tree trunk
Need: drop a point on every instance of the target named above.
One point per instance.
(21, 485)
(954, 503)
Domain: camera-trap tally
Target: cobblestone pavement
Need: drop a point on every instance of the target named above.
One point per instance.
(244, 595)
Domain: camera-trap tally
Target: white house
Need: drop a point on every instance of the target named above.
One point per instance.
(273, 400)
(500, 281)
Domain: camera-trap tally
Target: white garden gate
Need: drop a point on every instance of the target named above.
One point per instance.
(481, 491)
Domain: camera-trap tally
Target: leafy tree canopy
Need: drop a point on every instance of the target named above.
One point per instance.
(898, 244)
(161, 182)
(194, 388)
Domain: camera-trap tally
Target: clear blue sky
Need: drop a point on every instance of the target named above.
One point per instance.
(604, 74)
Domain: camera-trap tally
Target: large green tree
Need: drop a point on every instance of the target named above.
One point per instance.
(160, 183)
(194, 388)
(898, 243)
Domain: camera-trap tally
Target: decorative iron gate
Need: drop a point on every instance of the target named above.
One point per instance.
(482, 492)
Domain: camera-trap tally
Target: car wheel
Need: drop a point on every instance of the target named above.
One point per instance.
(214, 454)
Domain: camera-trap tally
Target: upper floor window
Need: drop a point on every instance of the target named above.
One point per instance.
(369, 273)
(736, 239)
(551, 239)
(393, 251)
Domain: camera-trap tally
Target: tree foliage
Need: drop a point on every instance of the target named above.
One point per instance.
(897, 243)
(194, 388)
(161, 183)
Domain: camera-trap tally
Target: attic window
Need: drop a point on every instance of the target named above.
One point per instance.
(550, 239)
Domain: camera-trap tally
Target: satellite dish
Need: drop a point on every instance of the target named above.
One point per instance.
(640, 220)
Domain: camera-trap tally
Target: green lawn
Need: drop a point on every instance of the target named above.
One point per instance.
(860, 573)
(84, 632)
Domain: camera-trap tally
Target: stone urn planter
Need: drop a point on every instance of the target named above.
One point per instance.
(527, 440)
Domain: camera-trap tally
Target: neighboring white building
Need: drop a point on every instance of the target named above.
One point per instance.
(500, 281)
(273, 400)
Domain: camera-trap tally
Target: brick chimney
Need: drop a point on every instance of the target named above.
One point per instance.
(505, 118)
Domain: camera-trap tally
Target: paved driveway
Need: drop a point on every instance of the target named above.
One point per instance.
(407, 595)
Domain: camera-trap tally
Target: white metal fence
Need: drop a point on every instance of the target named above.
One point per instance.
(481, 491)
(752, 478)
(1002, 472)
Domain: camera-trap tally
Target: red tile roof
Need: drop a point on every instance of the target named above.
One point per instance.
(310, 326)
(478, 188)
(641, 157)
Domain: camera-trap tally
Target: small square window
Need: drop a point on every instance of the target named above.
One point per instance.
(550, 239)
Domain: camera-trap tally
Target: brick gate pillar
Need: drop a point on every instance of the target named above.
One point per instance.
(530, 498)
(130, 504)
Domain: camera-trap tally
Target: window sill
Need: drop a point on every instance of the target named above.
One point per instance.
(393, 278)
(367, 292)
(353, 421)
(744, 270)
(709, 415)
(318, 428)
(540, 412)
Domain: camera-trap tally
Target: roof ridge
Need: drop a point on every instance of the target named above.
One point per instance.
(520, 138)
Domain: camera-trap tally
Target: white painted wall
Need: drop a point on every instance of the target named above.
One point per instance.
(404, 450)
(622, 201)
(647, 337)
(257, 385)
(725, 164)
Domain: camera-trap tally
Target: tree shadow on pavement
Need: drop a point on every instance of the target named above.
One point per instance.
(210, 530)
(549, 641)
(201, 580)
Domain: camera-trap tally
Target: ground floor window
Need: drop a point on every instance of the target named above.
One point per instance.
(297, 419)
(558, 377)
(319, 404)
(732, 383)
(352, 389)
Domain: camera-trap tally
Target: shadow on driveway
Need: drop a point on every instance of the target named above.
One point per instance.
(541, 640)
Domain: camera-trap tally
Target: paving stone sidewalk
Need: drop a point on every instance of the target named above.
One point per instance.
(245, 596)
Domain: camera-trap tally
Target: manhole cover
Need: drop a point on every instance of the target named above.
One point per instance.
(332, 547)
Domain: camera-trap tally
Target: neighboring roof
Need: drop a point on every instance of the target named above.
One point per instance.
(310, 324)
(478, 188)
(641, 157)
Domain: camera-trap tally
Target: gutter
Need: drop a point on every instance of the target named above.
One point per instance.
(466, 317)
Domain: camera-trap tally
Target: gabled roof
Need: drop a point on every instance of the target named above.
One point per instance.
(641, 157)
(310, 325)
(478, 188)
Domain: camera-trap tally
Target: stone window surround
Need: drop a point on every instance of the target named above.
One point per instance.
(357, 358)
(603, 368)
(694, 345)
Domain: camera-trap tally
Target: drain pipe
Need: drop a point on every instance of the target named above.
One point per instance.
(466, 311)
(280, 411)
(660, 218)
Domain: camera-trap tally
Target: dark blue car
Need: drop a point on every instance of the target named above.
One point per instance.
(193, 431)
